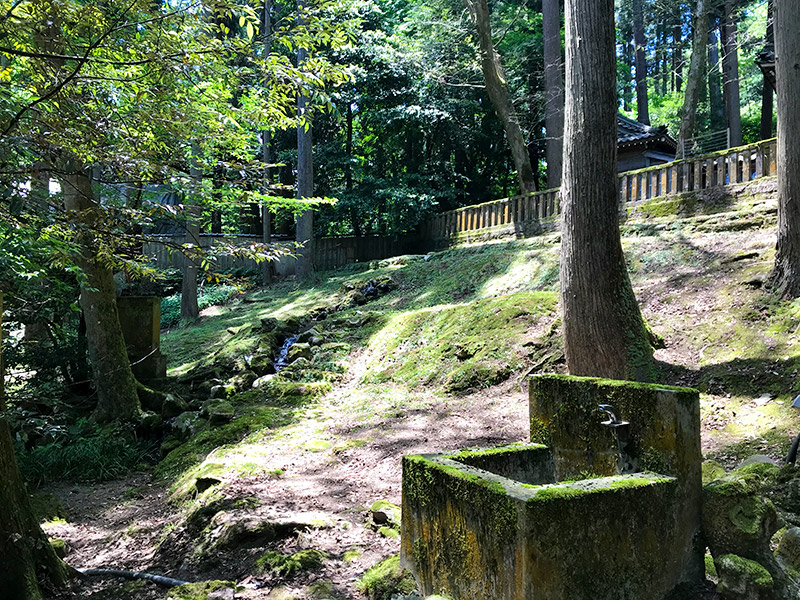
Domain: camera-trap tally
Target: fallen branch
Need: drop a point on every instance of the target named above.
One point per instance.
(157, 579)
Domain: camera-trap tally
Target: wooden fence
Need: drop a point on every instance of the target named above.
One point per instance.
(735, 165)
(329, 252)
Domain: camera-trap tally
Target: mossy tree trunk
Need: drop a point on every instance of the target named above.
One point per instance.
(604, 334)
(111, 369)
(28, 564)
(786, 275)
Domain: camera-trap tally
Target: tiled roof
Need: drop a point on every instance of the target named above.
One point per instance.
(630, 131)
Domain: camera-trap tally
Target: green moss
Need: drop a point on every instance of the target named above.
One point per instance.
(351, 555)
(457, 347)
(711, 569)
(749, 569)
(712, 471)
(59, 546)
(198, 447)
(198, 591)
(564, 490)
(389, 532)
(283, 565)
(424, 479)
(385, 579)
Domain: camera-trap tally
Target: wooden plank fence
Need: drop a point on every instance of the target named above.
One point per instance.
(329, 252)
(735, 165)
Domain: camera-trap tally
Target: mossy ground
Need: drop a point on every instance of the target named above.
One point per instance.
(415, 365)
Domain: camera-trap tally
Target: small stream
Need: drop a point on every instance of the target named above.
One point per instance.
(283, 354)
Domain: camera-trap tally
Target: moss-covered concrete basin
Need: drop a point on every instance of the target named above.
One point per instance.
(554, 521)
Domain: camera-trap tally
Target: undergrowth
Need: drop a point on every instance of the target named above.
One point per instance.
(206, 296)
(90, 459)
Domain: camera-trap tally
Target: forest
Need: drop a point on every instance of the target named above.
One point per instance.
(400, 299)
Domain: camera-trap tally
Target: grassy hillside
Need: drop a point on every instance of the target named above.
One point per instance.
(437, 358)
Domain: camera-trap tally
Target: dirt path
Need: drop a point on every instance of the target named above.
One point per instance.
(120, 524)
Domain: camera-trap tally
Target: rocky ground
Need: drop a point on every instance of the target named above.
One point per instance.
(265, 468)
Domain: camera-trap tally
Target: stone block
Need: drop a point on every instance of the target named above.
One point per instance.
(140, 319)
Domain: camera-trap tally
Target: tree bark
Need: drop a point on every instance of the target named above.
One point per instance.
(553, 90)
(604, 334)
(677, 57)
(642, 108)
(498, 94)
(730, 70)
(786, 275)
(189, 308)
(28, 564)
(715, 99)
(305, 179)
(117, 398)
(266, 155)
(694, 80)
(767, 98)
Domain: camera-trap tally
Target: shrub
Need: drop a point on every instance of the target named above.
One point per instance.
(206, 296)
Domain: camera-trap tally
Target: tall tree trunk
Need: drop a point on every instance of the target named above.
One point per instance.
(266, 155)
(305, 177)
(677, 57)
(730, 70)
(604, 334)
(28, 564)
(553, 90)
(498, 94)
(786, 275)
(116, 387)
(627, 91)
(642, 108)
(714, 83)
(694, 80)
(767, 104)
(189, 307)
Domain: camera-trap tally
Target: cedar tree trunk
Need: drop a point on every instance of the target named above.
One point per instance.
(498, 93)
(113, 380)
(305, 180)
(28, 563)
(604, 334)
(642, 109)
(266, 155)
(786, 275)
(554, 90)
(730, 73)
(767, 104)
(694, 79)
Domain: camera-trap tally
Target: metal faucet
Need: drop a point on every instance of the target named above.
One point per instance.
(621, 429)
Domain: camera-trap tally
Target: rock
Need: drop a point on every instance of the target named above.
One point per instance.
(173, 406)
(305, 336)
(263, 363)
(243, 381)
(757, 459)
(737, 518)
(169, 444)
(743, 579)
(384, 512)
(187, 424)
(150, 421)
(712, 471)
(316, 340)
(789, 548)
(269, 324)
(299, 350)
(263, 382)
(229, 530)
(223, 391)
(218, 412)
